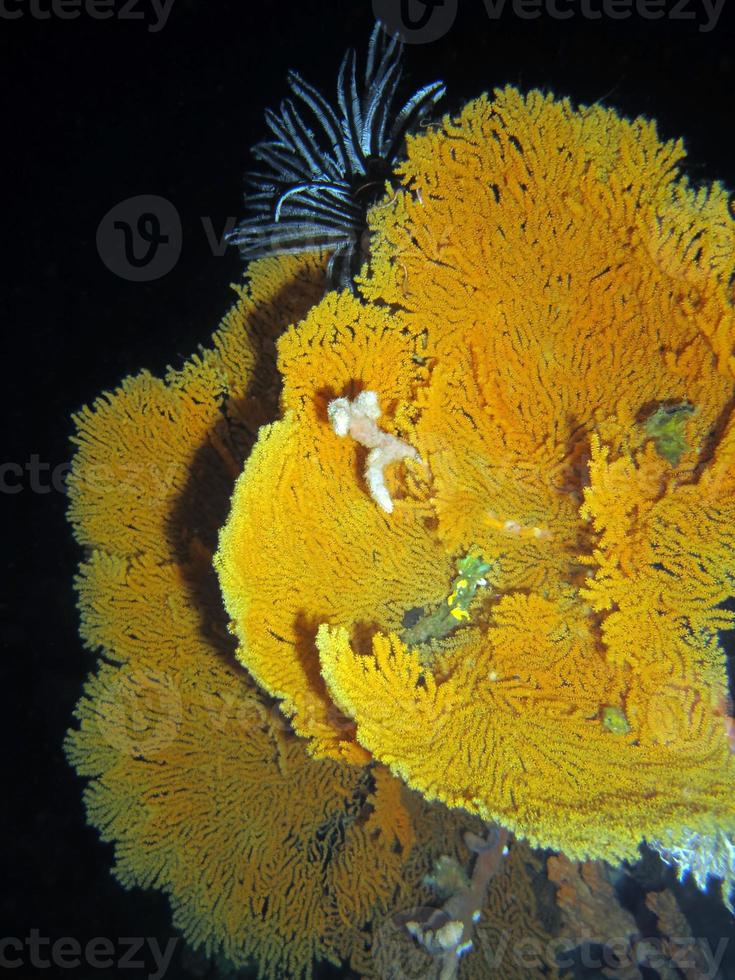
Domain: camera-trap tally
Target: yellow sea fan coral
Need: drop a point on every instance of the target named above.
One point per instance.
(266, 854)
(285, 518)
(141, 455)
(207, 805)
(194, 774)
(513, 613)
(489, 739)
(544, 284)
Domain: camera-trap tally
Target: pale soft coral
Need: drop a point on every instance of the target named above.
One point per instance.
(359, 420)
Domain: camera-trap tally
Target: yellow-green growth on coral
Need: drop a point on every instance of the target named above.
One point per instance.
(454, 610)
(614, 720)
(667, 427)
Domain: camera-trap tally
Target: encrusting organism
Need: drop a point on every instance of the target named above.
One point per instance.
(454, 611)
(286, 734)
(447, 933)
(317, 183)
(358, 418)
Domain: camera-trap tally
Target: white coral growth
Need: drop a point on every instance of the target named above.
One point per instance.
(703, 856)
(358, 418)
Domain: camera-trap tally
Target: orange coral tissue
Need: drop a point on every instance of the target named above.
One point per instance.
(474, 529)
(547, 321)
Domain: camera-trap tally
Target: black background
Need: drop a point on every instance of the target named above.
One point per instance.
(94, 112)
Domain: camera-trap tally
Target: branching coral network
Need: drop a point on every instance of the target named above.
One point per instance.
(473, 525)
(558, 356)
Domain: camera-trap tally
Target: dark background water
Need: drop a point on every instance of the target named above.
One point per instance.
(94, 112)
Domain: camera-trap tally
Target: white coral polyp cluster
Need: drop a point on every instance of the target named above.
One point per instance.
(358, 418)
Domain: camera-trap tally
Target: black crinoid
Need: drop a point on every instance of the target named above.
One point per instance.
(325, 166)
